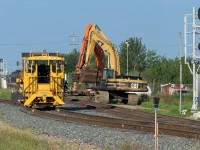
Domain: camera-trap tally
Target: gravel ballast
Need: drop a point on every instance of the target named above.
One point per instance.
(98, 136)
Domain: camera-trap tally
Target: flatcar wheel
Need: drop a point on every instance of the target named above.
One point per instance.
(57, 110)
(31, 107)
(54, 107)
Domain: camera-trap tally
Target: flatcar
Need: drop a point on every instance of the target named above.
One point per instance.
(41, 81)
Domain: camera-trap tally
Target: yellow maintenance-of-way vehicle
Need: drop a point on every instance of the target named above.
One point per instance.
(41, 80)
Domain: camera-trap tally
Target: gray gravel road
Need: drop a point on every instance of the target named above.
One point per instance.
(97, 136)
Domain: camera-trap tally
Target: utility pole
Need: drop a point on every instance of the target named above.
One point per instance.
(179, 43)
(127, 45)
(73, 40)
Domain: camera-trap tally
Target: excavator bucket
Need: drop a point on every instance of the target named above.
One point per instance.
(88, 76)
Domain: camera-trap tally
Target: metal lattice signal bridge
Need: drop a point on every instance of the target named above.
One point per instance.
(3, 73)
(191, 26)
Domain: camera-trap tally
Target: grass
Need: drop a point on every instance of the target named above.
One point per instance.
(136, 146)
(127, 146)
(15, 139)
(5, 93)
(12, 139)
(169, 104)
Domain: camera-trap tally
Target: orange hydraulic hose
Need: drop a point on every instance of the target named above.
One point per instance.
(83, 47)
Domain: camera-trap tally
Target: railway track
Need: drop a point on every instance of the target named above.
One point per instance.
(124, 119)
(132, 113)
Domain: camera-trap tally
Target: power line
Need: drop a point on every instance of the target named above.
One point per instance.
(174, 45)
(42, 43)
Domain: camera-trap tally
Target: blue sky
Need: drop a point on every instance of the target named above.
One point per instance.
(35, 25)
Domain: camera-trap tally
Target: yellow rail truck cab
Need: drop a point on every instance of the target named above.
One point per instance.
(42, 79)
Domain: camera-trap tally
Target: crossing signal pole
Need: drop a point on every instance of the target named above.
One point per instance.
(156, 103)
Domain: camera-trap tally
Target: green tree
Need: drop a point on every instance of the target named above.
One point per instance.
(187, 76)
(136, 53)
(71, 60)
(151, 58)
(165, 70)
(138, 56)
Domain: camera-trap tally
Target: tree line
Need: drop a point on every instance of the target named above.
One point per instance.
(141, 61)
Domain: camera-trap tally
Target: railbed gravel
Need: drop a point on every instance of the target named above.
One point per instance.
(100, 137)
(84, 110)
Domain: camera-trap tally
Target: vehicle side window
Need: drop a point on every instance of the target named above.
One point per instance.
(57, 66)
(54, 66)
(30, 66)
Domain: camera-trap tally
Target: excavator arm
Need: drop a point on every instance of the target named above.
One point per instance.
(95, 42)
